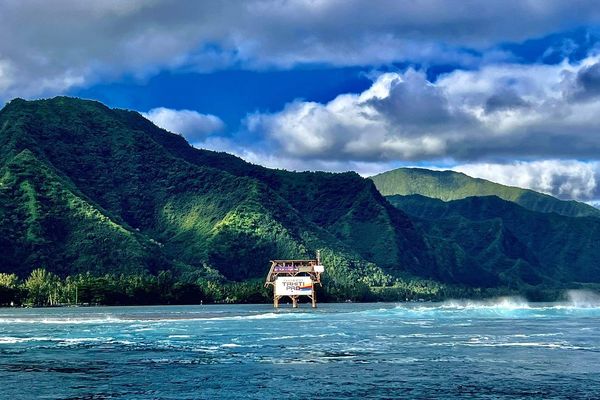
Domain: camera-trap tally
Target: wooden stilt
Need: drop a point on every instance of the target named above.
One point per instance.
(295, 301)
(314, 298)
(276, 301)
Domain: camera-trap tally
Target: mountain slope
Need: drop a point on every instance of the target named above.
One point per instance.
(450, 185)
(45, 221)
(345, 204)
(548, 247)
(207, 209)
(88, 188)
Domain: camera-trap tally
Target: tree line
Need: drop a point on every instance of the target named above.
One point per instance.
(44, 288)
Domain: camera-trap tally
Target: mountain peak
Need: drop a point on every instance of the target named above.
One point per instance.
(450, 185)
(205, 208)
(89, 187)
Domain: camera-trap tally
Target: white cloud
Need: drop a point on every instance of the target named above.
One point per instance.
(402, 116)
(261, 155)
(568, 179)
(565, 179)
(53, 46)
(191, 124)
(594, 203)
(500, 111)
(6, 74)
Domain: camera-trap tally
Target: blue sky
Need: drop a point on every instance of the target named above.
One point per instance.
(504, 90)
(232, 93)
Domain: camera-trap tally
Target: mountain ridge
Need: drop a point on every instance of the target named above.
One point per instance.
(451, 185)
(560, 248)
(201, 205)
(213, 218)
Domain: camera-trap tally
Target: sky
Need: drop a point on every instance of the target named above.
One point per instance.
(504, 90)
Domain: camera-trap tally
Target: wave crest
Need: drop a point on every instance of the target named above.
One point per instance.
(508, 302)
(583, 298)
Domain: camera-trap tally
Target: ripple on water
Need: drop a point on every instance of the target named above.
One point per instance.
(492, 350)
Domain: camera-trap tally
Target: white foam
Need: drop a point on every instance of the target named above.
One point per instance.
(507, 303)
(63, 321)
(583, 298)
(14, 340)
(115, 320)
(528, 344)
(580, 303)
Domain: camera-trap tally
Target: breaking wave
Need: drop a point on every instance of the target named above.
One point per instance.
(138, 319)
(578, 303)
(583, 298)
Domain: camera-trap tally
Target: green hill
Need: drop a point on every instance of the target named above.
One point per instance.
(45, 221)
(510, 243)
(182, 208)
(132, 212)
(450, 185)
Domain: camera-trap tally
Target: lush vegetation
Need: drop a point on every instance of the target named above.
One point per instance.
(84, 188)
(450, 185)
(42, 288)
(107, 203)
(45, 289)
(507, 244)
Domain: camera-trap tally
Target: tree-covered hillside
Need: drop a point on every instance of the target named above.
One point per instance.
(104, 201)
(168, 206)
(511, 244)
(450, 185)
(44, 220)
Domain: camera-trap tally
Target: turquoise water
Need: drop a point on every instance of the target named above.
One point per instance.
(504, 349)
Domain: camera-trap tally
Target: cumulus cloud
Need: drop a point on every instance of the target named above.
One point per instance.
(193, 125)
(263, 154)
(500, 111)
(567, 179)
(585, 84)
(493, 110)
(402, 116)
(54, 46)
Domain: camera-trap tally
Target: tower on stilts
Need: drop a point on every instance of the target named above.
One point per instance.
(295, 278)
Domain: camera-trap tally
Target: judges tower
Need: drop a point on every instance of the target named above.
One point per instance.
(295, 278)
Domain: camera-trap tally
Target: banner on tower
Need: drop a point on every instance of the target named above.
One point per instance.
(293, 285)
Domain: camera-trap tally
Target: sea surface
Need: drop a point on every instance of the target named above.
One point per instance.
(495, 350)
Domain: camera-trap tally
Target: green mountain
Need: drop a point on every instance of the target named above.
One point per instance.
(88, 188)
(510, 243)
(135, 212)
(46, 221)
(450, 185)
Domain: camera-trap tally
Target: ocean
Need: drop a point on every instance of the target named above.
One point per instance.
(505, 349)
